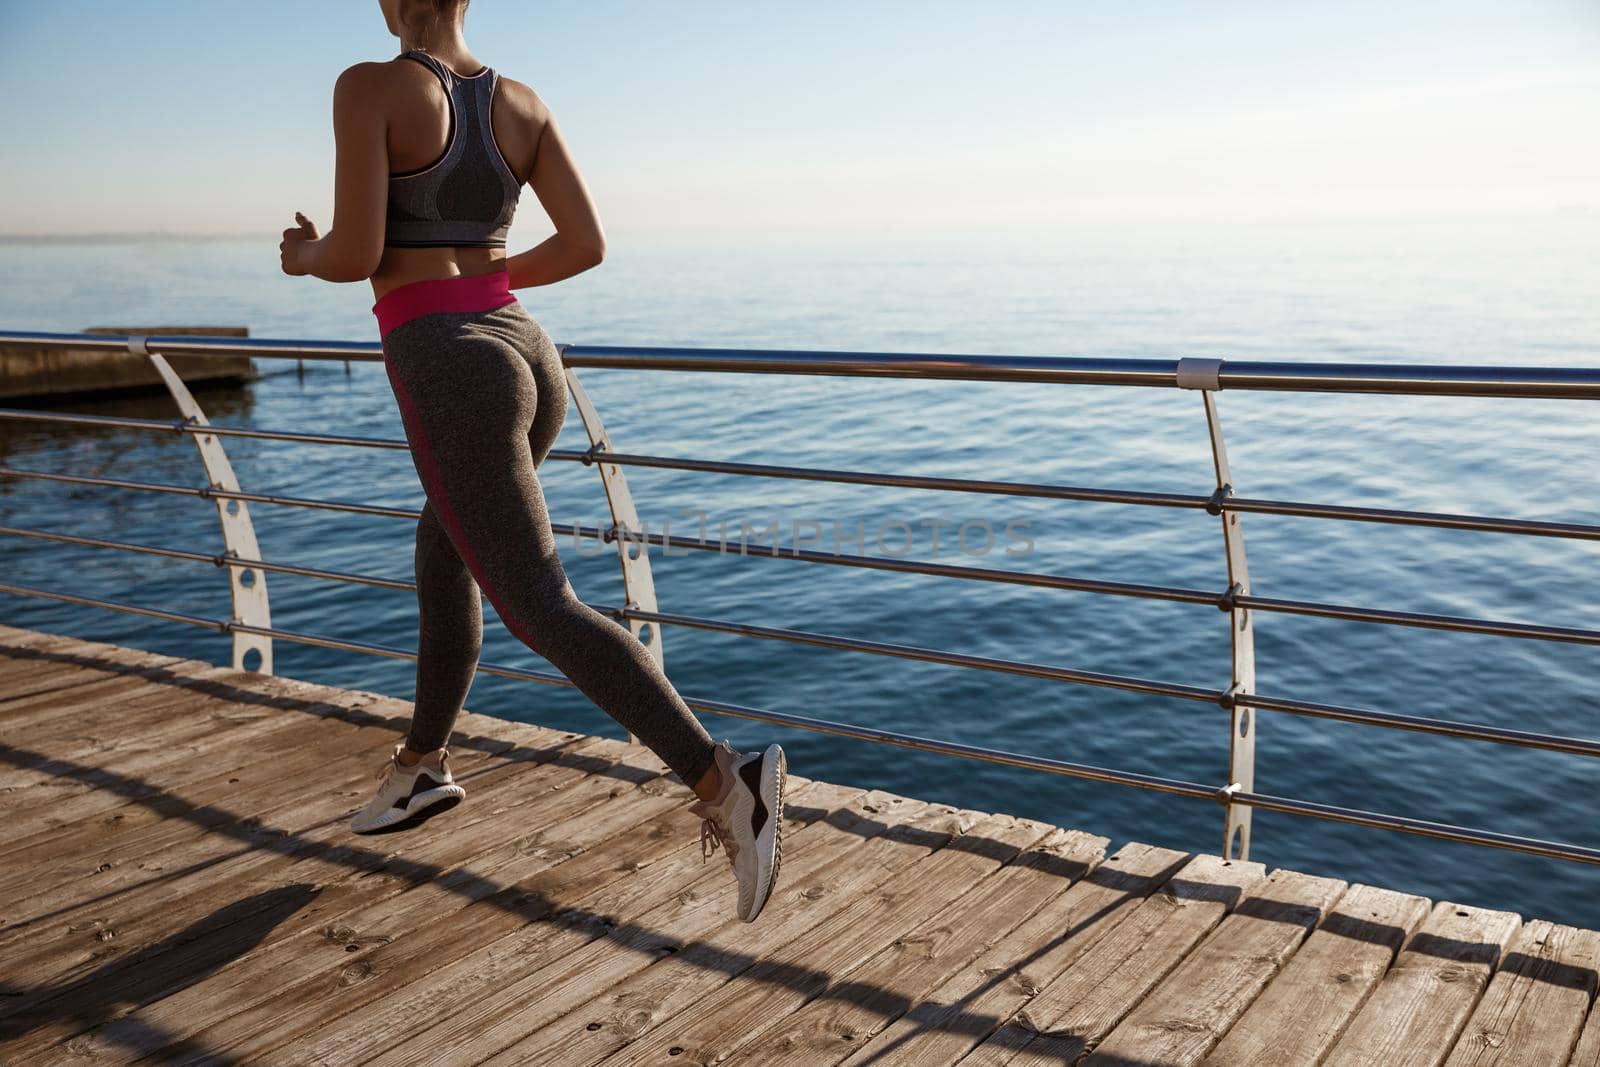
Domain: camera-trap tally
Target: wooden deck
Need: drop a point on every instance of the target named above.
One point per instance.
(177, 884)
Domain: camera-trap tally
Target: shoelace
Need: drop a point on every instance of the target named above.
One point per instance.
(711, 834)
(710, 839)
(389, 766)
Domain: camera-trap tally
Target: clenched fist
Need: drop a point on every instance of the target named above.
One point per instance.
(294, 240)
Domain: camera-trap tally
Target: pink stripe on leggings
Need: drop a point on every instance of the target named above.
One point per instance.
(434, 486)
(464, 292)
(472, 292)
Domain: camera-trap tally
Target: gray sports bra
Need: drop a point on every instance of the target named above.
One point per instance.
(468, 195)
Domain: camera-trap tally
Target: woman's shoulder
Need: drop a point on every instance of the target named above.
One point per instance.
(370, 72)
(526, 103)
(379, 74)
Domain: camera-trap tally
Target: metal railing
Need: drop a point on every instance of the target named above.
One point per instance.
(1240, 697)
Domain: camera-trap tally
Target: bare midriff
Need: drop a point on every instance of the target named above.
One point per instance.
(402, 265)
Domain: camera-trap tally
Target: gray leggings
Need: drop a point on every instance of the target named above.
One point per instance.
(482, 397)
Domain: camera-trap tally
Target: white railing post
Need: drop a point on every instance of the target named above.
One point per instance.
(638, 584)
(248, 584)
(1203, 374)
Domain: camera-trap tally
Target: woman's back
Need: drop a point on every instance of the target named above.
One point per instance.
(451, 150)
(467, 195)
(460, 147)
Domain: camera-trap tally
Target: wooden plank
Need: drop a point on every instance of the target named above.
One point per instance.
(105, 770)
(1299, 1016)
(1413, 1017)
(1076, 1011)
(160, 969)
(83, 713)
(245, 942)
(234, 731)
(722, 1022)
(107, 773)
(536, 902)
(944, 1025)
(567, 906)
(200, 796)
(505, 942)
(60, 665)
(861, 1002)
(109, 669)
(337, 919)
(1534, 1008)
(120, 706)
(240, 782)
(29, 721)
(234, 785)
(1185, 1016)
(669, 947)
(24, 679)
(609, 843)
(138, 906)
(1587, 1054)
(224, 831)
(27, 643)
(37, 650)
(143, 724)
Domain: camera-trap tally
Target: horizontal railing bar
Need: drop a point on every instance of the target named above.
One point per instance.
(1423, 620)
(1036, 670)
(718, 707)
(907, 365)
(1441, 520)
(221, 494)
(1577, 746)
(1442, 727)
(1421, 827)
(1174, 594)
(1341, 512)
(928, 655)
(123, 546)
(953, 748)
(1378, 616)
(1278, 376)
(1049, 581)
(195, 345)
(216, 559)
(185, 426)
(1486, 523)
(115, 605)
(1395, 379)
(1362, 716)
(1412, 379)
(1402, 824)
(903, 481)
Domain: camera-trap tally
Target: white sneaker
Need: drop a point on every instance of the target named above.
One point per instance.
(747, 821)
(409, 795)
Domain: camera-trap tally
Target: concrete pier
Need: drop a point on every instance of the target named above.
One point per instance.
(31, 374)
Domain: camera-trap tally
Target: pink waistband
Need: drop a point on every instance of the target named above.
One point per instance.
(472, 292)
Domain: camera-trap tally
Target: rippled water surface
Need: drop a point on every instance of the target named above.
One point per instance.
(1502, 292)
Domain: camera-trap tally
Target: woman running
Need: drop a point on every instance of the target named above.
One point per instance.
(432, 150)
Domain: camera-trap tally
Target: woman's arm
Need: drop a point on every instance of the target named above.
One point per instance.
(579, 242)
(353, 248)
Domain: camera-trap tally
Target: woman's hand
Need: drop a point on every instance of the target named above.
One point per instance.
(294, 243)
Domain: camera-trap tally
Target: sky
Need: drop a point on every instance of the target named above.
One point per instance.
(832, 116)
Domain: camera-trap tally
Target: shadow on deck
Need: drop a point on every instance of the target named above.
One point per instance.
(177, 883)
